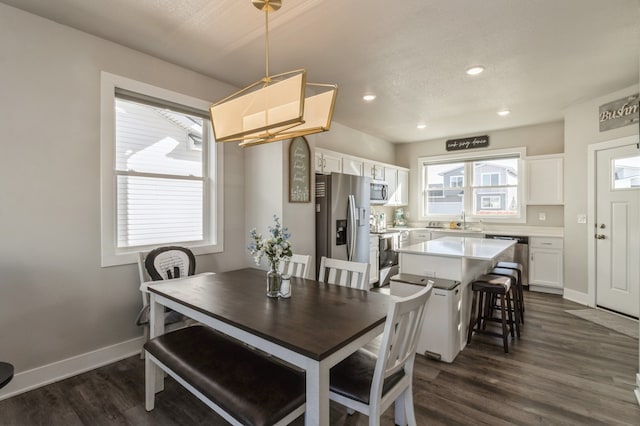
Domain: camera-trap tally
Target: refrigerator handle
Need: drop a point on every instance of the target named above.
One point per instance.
(351, 227)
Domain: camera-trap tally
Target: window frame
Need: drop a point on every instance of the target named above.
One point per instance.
(468, 188)
(213, 188)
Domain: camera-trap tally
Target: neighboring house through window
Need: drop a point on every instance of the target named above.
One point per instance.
(160, 172)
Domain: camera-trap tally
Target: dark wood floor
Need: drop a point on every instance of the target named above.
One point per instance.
(563, 371)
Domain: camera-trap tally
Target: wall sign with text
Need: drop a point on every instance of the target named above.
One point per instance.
(467, 143)
(619, 113)
(299, 171)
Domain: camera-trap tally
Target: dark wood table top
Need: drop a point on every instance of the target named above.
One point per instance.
(316, 321)
(6, 374)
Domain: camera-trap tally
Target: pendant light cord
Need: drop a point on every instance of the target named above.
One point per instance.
(266, 45)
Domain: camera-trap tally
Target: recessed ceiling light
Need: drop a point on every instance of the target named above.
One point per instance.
(475, 70)
(369, 98)
(504, 112)
(421, 126)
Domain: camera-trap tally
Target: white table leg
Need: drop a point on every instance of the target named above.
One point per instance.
(317, 394)
(156, 328)
(150, 373)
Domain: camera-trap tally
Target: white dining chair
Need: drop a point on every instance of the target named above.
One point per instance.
(368, 383)
(159, 264)
(297, 265)
(344, 273)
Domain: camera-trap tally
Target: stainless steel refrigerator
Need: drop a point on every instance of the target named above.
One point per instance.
(342, 217)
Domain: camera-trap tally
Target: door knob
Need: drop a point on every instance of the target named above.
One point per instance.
(600, 237)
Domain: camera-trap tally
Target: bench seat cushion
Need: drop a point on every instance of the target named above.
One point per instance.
(252, 388)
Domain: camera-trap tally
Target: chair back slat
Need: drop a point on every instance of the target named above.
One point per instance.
(344, 273)
(400, 338)
(297, 265)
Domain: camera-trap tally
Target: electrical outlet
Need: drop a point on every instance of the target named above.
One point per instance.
(582, 218)
(542, 216)
(431, 274)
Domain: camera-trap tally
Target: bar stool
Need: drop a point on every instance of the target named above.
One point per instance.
(6, 373)
(519, 269)
(515, 280)
(484, 289)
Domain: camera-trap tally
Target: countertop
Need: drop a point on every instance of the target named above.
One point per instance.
(460, 247)
(518, 230)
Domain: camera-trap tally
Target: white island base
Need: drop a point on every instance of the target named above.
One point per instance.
(456, 258)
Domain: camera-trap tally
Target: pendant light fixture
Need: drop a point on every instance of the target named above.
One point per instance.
(277, 107)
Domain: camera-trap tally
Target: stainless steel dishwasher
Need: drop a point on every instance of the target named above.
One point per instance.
(520, 253)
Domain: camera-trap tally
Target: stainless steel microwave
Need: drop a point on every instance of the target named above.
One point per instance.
(379, 193)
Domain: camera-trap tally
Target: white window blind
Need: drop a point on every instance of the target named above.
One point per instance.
(160, 172)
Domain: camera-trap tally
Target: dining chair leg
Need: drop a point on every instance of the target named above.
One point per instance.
(409, 411)
(399, 410)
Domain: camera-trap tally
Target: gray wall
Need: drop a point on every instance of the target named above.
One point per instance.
(582, 130)
(267, 183)
(541, 139)
(55, 299)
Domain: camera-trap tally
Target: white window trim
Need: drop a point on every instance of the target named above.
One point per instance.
(471, 156)
(214, 232)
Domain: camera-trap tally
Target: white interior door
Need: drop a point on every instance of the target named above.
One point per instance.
(617, 230)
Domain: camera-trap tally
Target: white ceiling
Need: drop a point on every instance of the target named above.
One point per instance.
(540, 55)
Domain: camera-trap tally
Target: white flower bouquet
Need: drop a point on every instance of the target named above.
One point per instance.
(276, 247)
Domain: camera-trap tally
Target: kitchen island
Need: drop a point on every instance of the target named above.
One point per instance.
(456, 258)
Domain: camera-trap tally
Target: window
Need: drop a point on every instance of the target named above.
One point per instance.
(160, 172)
(486, 186)
(456, 181)
(490, 179)
(626, 172)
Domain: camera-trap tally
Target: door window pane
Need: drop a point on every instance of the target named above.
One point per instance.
(626, 172)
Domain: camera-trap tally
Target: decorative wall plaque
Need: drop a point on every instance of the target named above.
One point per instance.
(299, 171)
(467, 143)
(620, 113)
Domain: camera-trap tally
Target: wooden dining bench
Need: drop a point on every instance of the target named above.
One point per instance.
(242, 385)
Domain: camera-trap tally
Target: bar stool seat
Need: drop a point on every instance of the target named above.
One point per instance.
(485, 288)
(6, 373)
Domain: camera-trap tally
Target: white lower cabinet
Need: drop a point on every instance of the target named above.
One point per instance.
(546, 270)
(374, 253)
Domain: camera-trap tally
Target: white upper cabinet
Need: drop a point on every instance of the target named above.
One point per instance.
(398, 183)
(391, 177)
(545, 179)
(373, 170)
(326, 162)
(352, 166)
(402, 191)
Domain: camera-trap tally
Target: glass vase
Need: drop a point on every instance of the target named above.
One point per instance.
(273, 281)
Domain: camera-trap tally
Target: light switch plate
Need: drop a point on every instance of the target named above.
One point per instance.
(582, 218)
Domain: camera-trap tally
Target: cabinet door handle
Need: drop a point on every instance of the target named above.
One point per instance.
(600, 237)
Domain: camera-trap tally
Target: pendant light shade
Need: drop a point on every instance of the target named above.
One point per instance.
(274, 108)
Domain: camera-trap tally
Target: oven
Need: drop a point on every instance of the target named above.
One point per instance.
(388, 263)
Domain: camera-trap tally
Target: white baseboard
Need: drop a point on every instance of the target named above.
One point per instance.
(41, 376)
(576, 296)
(545, 289)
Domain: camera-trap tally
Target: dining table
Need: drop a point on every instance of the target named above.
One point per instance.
(317, 327)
